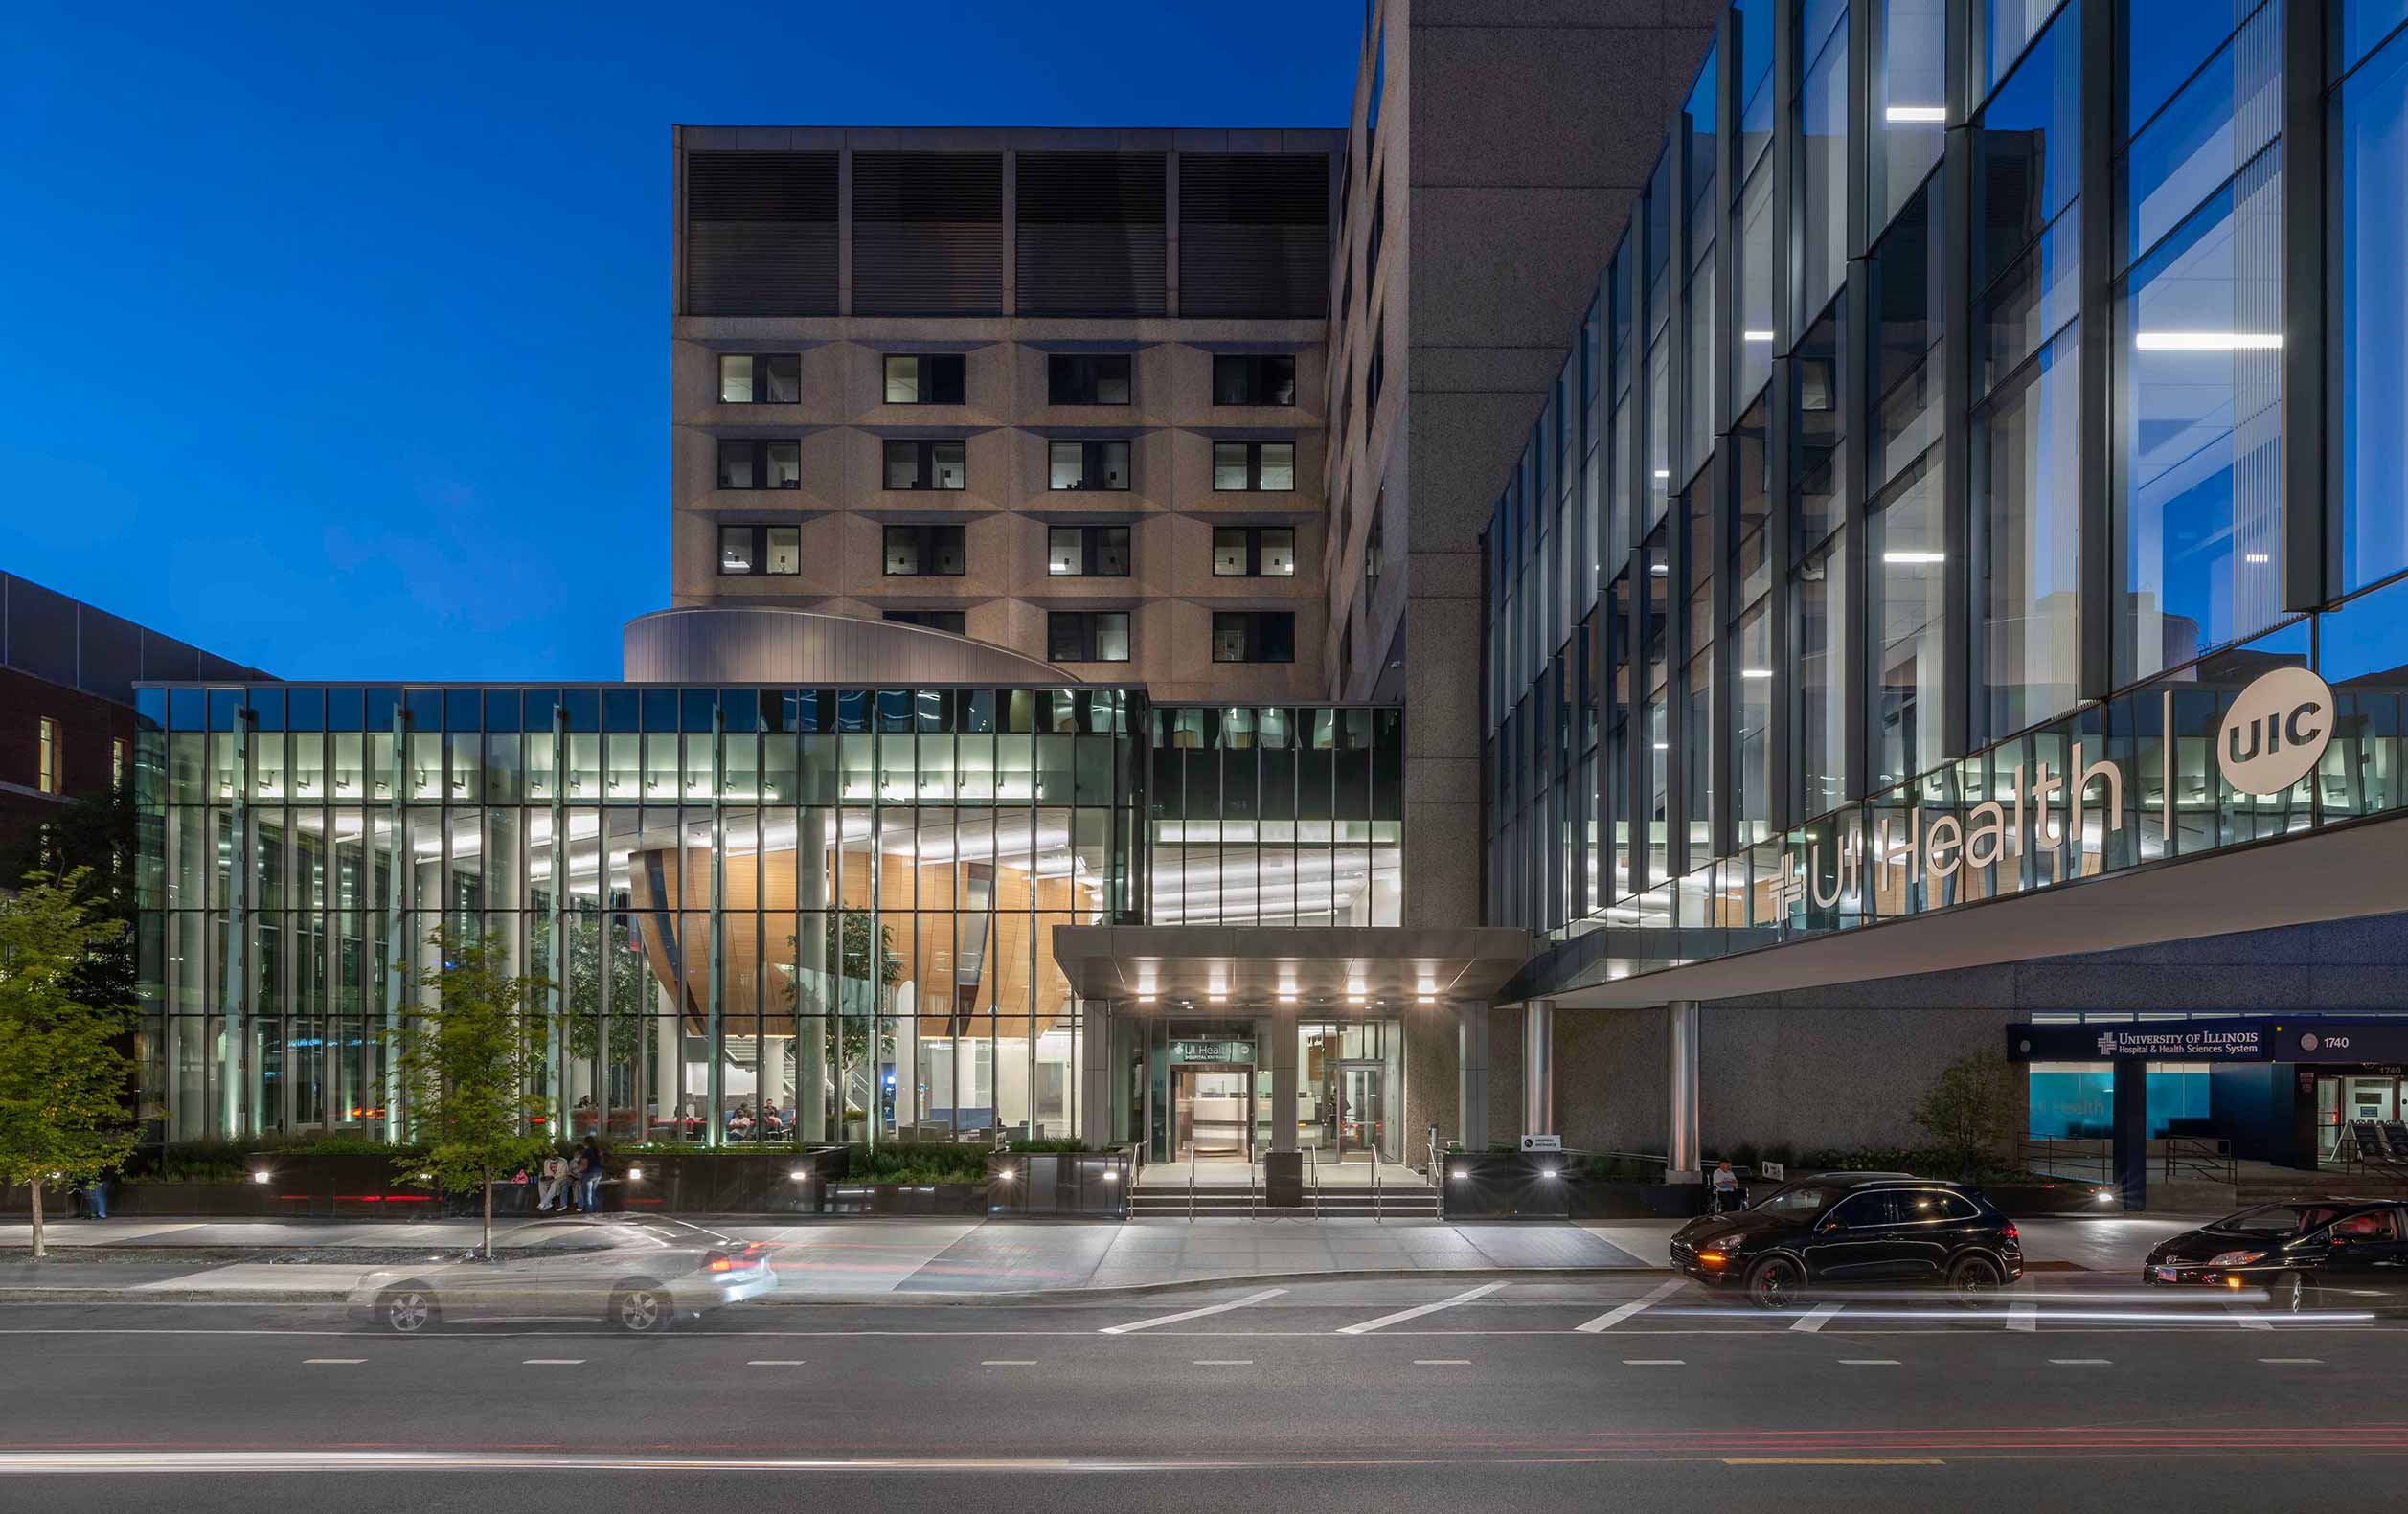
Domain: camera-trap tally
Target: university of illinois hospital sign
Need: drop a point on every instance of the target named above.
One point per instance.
(2053, 818)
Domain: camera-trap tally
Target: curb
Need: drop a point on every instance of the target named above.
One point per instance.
(175, 1295)
(919, 1300)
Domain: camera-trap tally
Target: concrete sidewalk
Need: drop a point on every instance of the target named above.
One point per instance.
(921, 1260)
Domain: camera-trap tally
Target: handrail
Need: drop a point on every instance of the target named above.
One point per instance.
(1377, 1215)
(1316, 1188)
(1250, 1161)
(2200, 1153)
(1191, 1188)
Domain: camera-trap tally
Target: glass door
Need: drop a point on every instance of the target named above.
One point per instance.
(1362, 1109)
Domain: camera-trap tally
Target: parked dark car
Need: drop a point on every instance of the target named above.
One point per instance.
(2316, 1254)
(1849, 1227)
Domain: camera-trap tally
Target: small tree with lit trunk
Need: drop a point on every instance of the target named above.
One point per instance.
(1972, 1111)
(63, 1077)
(470, 1055)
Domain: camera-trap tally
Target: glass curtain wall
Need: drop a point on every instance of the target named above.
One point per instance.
(1277, 815)
(779, 914)
(1949, 522)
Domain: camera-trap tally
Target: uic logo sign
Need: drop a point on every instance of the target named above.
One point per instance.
(2276, 732)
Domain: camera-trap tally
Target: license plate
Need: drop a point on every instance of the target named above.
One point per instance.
(2166, 1274)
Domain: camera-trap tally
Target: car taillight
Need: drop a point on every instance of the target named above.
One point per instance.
(2009, 1233)
(719, 1262)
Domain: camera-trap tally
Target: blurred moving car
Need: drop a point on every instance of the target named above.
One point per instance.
(1844, 1228)
(640, 1283)
(2319, 1252)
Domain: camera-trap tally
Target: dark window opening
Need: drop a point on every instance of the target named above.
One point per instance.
(1254, 636)
(1251, 379)
(925, 552)
(1086, 636)
(927, 379)
(1267, 467)
(761, 464)
(926, 465)
(1088, 465)
(1087, 378)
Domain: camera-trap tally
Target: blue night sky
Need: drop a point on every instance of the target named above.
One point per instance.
(335, 340)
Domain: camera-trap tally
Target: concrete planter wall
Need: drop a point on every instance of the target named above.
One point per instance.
(906, 1198)
(1087, 1185)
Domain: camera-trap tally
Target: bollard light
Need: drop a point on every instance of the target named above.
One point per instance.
(635, 1174)
(259, 1175)
(799, 1175)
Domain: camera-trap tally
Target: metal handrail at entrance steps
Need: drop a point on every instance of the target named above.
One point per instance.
(1192, 1160)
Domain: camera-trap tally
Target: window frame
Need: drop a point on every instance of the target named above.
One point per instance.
(759, 459)
(1256, 369)
(1091, 549)
(1083, 373)
(1090, 462)
(48, 777)
(1089, 623)
(761, 568)
(924, 474)
(760, 377)
(1254, 622)
(1254, 549)
(1254, 465)
(922, 382)
(928, 541)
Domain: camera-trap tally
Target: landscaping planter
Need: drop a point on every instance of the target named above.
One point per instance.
(1507, 1186)
(2021, 1202)
(722, 1182)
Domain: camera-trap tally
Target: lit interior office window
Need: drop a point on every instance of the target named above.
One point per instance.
(761, 379)
(47, 755)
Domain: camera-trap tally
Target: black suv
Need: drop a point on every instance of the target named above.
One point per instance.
(1853, 1228)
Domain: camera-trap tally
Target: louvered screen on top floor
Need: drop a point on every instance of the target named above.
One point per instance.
(927, 234)
(1254, 235)
(1091, 233)
(761, 234)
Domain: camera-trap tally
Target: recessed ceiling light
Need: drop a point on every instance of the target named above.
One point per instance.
(2207, 341)
(1917, 115)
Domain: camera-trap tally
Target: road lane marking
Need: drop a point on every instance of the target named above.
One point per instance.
(1419, 1310)
(1640, 1305)
(554, 1361)
(332, 1361)
(1868, 1360)
(2292, 1361)
(2079, 1361)
(1009, 1360)
(1442, 1360)
(1224, 1361)
(1191, 1314)
(2248, 1319)
(1654, 1361)
(777, 1361)
(1816, 1318)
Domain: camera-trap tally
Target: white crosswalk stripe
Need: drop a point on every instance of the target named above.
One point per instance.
(1191, 1314)
(1419, 1310)
(1640, 1305)
(1816, 1318)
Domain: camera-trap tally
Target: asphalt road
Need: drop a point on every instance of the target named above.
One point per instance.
(1403, 1395)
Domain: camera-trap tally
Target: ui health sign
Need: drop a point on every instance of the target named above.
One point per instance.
(2287, 1039)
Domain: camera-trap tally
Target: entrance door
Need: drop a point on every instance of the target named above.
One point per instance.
(1362, 1109)
(1212, 1108)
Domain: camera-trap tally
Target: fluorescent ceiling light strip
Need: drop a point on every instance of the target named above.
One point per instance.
(2208, 341)
(1917, 115)
(1913, 556)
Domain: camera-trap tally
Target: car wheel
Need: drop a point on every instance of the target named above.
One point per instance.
(2290, 1294)
(1774, 1282)
(408, 1308)
(642, 1308)
(1973, 1279)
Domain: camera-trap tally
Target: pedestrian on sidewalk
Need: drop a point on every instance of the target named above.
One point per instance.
(589, 1177)
(1726, 1189)
(554, 1180)
(95, 1196)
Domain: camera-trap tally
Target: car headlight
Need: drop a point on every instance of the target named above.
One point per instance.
(1726, 1244)
(2236, 1258)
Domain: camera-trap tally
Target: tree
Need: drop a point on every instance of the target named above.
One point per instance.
(470, 1058)
(1972, 1111)
(63, 1074)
